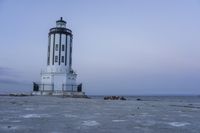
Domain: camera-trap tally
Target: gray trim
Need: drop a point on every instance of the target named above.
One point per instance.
(48, 51)
(53, 48)
(59, 48)
(70, 56)
(66, 51)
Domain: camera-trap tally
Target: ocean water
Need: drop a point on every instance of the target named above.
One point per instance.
(151, 114)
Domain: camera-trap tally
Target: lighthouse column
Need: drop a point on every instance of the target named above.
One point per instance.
(59, 71)
(59, 77)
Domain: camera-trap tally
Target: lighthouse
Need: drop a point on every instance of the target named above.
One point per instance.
(59, 78)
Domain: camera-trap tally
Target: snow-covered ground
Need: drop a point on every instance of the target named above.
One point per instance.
(37, 114)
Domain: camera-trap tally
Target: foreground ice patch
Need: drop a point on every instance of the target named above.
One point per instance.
(4, 119)
(90, 123)
(9, 127)
(70, 116)
(178, 124)
(118, 120)
(145, 115)
(35, 115)
(28, 109)
(16, 121)
(185, 115)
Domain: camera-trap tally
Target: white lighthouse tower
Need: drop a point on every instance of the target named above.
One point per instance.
(59, 78)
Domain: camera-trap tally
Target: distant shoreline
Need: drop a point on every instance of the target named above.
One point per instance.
(29, 94)
(17, 94)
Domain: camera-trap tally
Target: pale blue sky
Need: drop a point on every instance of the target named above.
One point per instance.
(119, 47)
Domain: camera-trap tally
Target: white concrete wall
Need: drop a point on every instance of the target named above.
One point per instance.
(46, 81)
(58, 81)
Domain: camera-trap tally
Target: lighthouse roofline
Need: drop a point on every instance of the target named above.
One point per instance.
(61, 20)
(60, 30)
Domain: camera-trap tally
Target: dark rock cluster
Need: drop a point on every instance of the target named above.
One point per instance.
(114, 98)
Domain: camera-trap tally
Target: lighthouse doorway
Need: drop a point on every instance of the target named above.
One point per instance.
(58, 81)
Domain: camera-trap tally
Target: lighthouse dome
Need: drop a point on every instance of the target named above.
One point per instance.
(61, 23)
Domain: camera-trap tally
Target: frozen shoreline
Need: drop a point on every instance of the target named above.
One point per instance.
(55, 114)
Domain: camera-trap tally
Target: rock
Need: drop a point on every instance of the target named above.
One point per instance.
(122, 98)
(9, 126)
(13, 102)
(19, 95)
(138, 99)
(114, 98)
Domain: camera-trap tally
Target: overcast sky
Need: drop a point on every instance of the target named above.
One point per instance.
(120, 47)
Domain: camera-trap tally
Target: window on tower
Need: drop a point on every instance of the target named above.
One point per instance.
(62, 59)
(56, 47)
(48, 61)
(63, 47)
(56, 58)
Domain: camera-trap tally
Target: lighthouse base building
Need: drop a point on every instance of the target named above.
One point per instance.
(59, 78)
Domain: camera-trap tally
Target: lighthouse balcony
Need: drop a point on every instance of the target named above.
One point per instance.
(50, 88)
(68, 90)
(60, 30)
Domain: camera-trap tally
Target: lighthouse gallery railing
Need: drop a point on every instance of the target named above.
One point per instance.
(64, 87)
